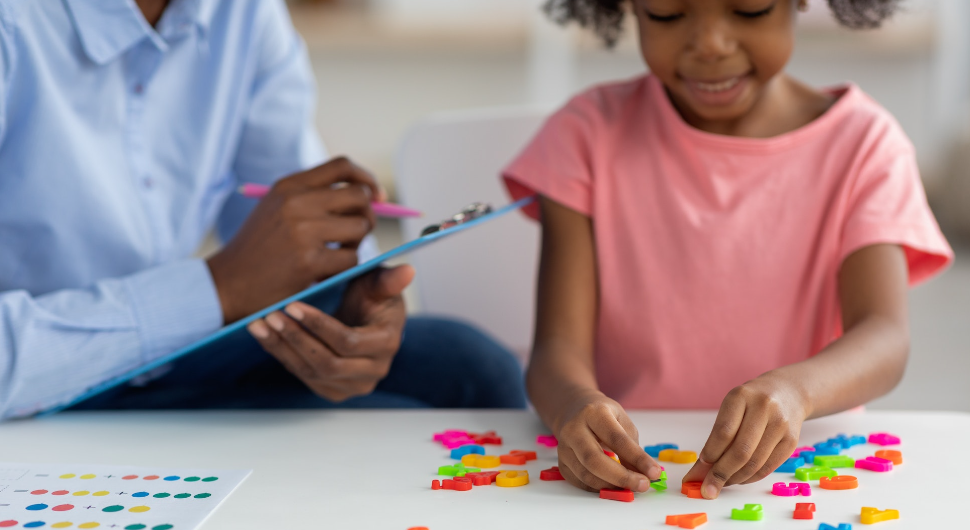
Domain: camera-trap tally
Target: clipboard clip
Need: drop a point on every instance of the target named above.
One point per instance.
(468, 213)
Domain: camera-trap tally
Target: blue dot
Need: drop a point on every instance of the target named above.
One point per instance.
(36, 507)
(171, 478)
(34, 524)
(140, 494)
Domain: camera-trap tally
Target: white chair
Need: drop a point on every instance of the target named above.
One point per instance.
(487, 274)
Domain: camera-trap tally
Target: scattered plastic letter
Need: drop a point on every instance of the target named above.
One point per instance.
(482, 478)
(459, 452)
(815, 473)
(676, 456)
(804, 510)
(874, 463)
(791, 465)
(692, 489)
(547, 440)
(896, 457)
(487, 438)
(661, 483)
(616, 495)
(511, 479)
(842, 526)
(798, 452)
(834, 461)
(687, 520)
(482, 461)
(552, 473)
(883, 438)
(457, 484)
(873, 515)
(654, 450)
(826, 448)
(457, 470)
(792, 489)
(842, 482)
(750, 512)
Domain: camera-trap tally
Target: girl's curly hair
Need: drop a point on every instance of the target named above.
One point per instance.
(605, 17)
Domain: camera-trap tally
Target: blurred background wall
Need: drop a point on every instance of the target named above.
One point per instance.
(383, 64)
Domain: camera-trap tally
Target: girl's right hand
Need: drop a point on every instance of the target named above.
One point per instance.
(590, 424)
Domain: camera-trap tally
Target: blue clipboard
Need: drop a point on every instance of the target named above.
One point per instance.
(323, 295)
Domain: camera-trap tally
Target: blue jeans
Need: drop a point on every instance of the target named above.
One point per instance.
(441, 363)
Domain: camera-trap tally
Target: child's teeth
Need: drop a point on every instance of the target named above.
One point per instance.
(718, 87)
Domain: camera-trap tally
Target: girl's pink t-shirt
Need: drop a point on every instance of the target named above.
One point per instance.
(718, 256)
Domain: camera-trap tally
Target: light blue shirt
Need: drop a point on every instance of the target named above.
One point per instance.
(120, 148)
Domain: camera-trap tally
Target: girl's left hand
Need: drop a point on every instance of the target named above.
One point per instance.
(756, 430)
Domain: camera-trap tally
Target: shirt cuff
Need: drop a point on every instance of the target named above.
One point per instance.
(175, 304)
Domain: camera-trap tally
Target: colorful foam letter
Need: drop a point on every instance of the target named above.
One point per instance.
(750, 512)
(804, 510)
(654, 450)
(842, 482)
(883, 438)
(792, 489)
(687, 520)
(896, 457)
(874, 463)
(815, 473)
(834, 461)
(511, 479)
(874, 515)
(469, 449)
(791, 465)
(616, 495)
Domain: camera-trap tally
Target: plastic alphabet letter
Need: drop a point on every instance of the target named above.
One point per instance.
(687, 520)
(896, 457)
(459, 452)
(482, 478)
(815, 473)
(826, 448)
(842, 526)
(457, 470)
(692, 489)
(654, 450)
(661, 483)
(676, 456)
(834, 461)
(750, 512)
(874, 463)
(616, 495)
(457, 484)
(547, 440)
(883, 438)
(511, 479)
(487, 438)
(873, 515)
(791, 465)
(551, 474)
(804, 510)
(482, 461)
(792, 489)
(841, 482)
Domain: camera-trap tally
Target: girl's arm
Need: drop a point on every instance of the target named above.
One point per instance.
(561, 379)
(759, 422)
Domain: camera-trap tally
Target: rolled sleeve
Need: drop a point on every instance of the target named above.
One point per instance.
(174, 304)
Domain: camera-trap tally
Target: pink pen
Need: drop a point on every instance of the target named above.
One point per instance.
(383, 209)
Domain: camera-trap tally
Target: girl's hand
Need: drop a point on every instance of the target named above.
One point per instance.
(756, 430)
(591, 423)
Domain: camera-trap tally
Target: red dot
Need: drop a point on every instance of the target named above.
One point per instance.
(151, 477)
(129, 477)
(60, 492)
(7, 524)
(38, 492)
(63, 508)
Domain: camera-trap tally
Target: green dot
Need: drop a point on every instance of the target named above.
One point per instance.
(114, 508)
(183, 495)
(203, 495)
(163, 527)
(210, 479)
(135, 527)
(192, 479)
(161, 495)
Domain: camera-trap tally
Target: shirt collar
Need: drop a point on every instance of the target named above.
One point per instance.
(107, 28)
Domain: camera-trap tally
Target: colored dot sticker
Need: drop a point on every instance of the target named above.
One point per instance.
(8, 523)
(37, 507)
(171, 478)
(139, 509)
(161, 495)
(89, 476)
(89, 525)
(113, 508)
(183, 495)
(129, 477)
(203, 495)
(100, 493)
(68, 475)
(63, 507)
(210, 479)
(135, 527)
(60, 492)
(34, 524)
(62, 524)
(192, 479)
(150, 477)
(80, 493)
(163, 527)
(38, 492)
(140, 494)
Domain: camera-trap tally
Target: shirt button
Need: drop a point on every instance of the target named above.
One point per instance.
(139, 88)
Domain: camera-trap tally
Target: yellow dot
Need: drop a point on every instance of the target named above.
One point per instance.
(89, 525)
(139, 509)
(68, 475)
(80, 493)
(100, 493)
(65, 524)
(88, 476)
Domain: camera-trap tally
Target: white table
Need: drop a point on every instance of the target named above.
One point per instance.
(373, 469)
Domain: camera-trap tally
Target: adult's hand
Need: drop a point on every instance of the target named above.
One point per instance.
(346, 355)
(304, 230)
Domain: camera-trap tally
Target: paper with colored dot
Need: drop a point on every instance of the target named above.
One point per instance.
(111, 497)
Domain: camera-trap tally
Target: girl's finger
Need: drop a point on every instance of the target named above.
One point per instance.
(769, 441)
(576, 474)
(781, 452)
(725, 428)
(590, 454)
(738, 454)
(609, 430)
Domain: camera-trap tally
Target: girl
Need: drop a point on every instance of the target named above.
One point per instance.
(717, 228)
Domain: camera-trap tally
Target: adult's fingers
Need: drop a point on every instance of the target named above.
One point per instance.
(738, 454)
(323, 202)
(274, 344)
(326, 364)
(577, 475)
(367, 342)
(339, 169)
(612, 433)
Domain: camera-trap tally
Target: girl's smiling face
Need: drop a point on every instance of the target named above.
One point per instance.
(717, 58)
